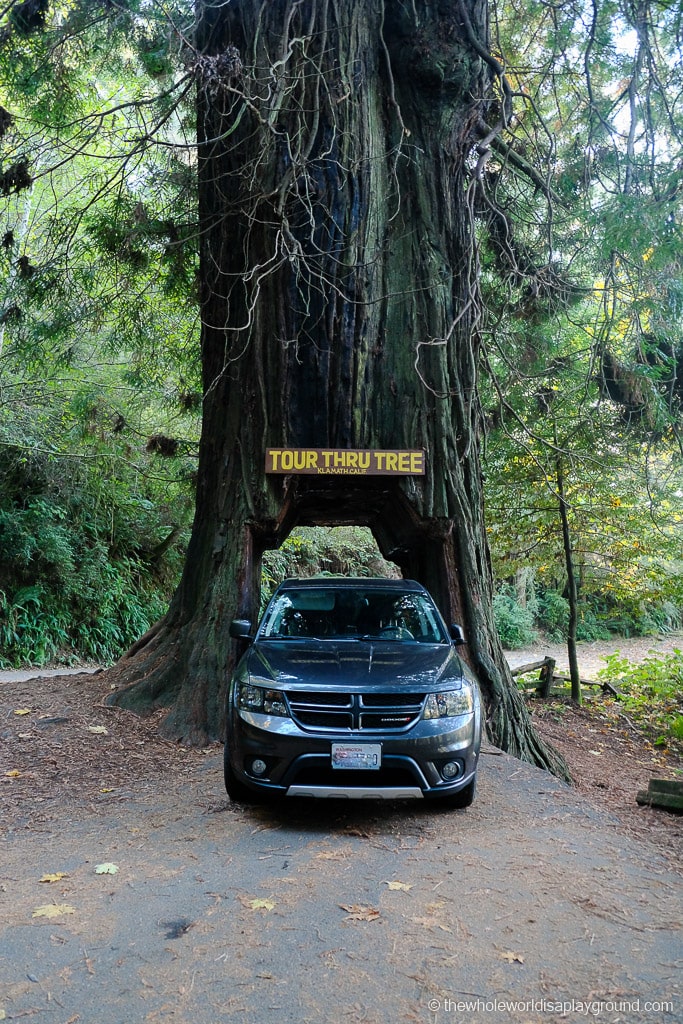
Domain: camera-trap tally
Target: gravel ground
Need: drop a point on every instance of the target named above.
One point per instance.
(133, 890)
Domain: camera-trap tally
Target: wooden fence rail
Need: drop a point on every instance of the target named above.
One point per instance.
(548, 676)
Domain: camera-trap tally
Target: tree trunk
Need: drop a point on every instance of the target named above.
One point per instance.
(339, 303)
(572, 588)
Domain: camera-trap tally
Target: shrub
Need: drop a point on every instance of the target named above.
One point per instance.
(80, 577)
(650, 692)
(590, 627)
(515, 624)
(645, 620)
(553, 615)
(310, 551)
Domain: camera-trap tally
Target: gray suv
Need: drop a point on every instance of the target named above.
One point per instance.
(352, 688)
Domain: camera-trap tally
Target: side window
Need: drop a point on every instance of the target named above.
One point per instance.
(432, 629)
(421, 620)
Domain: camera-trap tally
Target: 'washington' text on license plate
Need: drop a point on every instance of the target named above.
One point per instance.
(356, 755)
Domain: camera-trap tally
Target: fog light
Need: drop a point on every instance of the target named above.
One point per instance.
(258, 766)
(450, 770)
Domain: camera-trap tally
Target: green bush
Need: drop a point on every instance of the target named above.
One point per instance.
(553, 615)
(650, 691)
(311, 551)
(80, 578)
(39, 624)
(30, 632)
(515, 625)
(646, 620)
(635, 616)
(589, 627)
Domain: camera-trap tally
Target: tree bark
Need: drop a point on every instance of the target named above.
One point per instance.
(572, 588)
(339, 301)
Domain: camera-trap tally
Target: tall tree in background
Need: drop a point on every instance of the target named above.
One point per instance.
(585, 347)
(97, 261)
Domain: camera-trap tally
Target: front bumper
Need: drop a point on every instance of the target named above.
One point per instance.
(299, 764)
(357, 792)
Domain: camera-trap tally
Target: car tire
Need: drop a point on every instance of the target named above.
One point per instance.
(236, 790)
(463, 798)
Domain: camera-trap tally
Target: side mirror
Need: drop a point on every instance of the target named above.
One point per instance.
(240, 629)
(457, 635)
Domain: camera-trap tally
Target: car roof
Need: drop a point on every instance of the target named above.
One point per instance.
(347, 582)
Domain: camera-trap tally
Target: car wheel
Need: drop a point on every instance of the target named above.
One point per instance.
(236, 790)
(463, 798)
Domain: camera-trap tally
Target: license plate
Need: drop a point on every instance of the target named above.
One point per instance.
(357, 755)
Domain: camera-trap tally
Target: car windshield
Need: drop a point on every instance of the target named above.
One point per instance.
(354, 613)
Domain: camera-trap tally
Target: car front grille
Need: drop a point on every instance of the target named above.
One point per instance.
(355, 712)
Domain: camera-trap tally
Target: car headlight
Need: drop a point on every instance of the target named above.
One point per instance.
(260, 700)
(449, 704)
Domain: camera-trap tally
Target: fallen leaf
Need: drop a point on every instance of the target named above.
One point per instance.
(399, 886)
(431, 922)
(53, 910)
(56, 877)
(356, 912)
(23, 711)
(98, 729)
(14, 773)
(512, 958)
(106, 869)
(258, 903)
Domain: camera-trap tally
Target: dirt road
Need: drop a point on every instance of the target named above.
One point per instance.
(528, 907)
(133, 890)
(592, 654)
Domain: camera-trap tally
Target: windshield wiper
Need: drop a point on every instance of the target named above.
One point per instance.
(290, 636)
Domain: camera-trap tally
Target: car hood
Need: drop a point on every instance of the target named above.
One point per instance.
(354, 665)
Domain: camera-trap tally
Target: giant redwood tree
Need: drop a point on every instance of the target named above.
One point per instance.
(339, 151)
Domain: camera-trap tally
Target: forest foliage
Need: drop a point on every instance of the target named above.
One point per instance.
(580, 233)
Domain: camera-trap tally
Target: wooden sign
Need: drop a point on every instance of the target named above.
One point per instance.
(345, 462)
